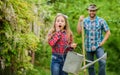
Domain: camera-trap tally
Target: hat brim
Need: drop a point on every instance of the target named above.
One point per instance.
(92, 9)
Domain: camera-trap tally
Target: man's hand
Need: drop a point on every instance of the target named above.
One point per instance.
(81, 18)
(107, 34)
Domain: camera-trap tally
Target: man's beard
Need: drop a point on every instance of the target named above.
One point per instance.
(93, 16)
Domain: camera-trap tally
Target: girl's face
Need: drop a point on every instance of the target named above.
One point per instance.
(60, 23)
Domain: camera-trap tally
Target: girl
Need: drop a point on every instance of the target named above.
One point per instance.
(60, 38)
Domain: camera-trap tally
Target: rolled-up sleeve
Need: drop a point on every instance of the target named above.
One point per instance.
(105, 25)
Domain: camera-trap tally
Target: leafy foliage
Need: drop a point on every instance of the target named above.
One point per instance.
(16, 39)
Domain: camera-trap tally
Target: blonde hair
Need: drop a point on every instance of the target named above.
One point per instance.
(66, 28)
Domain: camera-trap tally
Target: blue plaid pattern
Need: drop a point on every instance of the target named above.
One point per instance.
(93, 32)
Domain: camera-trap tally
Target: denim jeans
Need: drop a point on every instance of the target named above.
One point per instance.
(90, 56)
(57, 64)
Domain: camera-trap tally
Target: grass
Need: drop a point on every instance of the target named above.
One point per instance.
(46, 71)
(39, 71)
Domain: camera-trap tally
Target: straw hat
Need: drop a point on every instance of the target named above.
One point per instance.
(92, 7)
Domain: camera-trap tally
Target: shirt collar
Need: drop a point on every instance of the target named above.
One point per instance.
(96, 18)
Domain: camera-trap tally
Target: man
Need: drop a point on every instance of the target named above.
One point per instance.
(94, 40)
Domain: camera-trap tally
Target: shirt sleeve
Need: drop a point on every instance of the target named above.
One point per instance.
(54, 39)
(71, 39)
(105, 25)
(69, 46)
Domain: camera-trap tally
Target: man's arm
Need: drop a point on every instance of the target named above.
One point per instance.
(107, 34)
(79, 28)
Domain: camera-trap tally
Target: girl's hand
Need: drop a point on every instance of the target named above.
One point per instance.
(73, 45)
(58, 29)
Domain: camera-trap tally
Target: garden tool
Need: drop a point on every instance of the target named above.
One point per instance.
(73, 62)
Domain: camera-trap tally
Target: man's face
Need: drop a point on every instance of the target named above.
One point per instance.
(92, 13)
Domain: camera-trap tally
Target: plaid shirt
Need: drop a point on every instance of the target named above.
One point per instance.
(59, 43)
(93, 32)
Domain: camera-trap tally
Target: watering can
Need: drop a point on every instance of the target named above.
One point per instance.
(73, 62)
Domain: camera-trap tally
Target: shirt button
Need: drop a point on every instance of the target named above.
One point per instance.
(92, 38)
(92, 42)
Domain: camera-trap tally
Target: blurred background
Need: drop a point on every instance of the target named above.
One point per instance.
(24, 25)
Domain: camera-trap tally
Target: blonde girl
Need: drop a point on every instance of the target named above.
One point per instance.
(60, 38)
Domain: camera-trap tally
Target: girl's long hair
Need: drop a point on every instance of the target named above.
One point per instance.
(66, 28)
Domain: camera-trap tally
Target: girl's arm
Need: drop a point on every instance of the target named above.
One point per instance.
(71, 44)
(54, 38)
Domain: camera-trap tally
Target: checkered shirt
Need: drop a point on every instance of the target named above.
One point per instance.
(94, 32)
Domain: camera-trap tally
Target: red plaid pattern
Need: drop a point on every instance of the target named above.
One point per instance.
(59, 43)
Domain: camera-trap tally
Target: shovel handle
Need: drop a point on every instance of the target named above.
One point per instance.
(83, 47)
